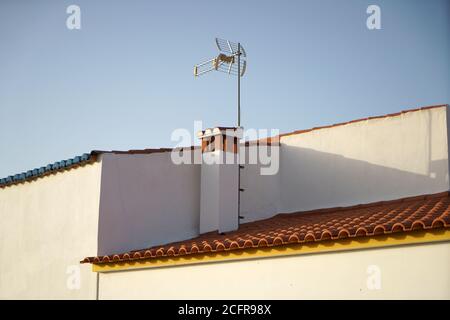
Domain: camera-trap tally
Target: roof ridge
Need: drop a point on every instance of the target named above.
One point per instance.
(51, 168)
(268, 140)
(26, 176)
(363, 119)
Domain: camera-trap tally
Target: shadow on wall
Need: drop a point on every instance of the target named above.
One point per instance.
(321, 180)
(146, 203)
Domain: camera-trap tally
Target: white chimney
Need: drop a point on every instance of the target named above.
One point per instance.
(219, 200)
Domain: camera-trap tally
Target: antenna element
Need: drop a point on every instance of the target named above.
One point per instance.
(231, 60)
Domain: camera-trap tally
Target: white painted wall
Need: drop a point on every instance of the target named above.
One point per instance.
(362, 162)
(147, 200)
(407, 272)
(367, 161)
(261, 196)
(47, 226)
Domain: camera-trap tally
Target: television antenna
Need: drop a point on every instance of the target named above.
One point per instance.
(231, 60)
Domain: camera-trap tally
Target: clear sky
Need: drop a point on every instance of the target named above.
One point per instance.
(125, 79)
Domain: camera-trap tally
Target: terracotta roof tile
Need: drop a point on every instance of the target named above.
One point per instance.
(408, 214)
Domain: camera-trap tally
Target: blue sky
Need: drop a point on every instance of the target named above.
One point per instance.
(125, 79)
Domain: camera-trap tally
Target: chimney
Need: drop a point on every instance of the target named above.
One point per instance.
(219, 199)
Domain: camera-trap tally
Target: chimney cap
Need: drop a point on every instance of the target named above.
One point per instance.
(228, 131)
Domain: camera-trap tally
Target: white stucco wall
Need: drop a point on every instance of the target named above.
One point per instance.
(47, 226)
(133, 201)
(366, 161)
(147, 200)
(261, 196)
(407, 272)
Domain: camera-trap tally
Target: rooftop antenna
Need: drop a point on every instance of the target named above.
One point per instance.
(231, 60)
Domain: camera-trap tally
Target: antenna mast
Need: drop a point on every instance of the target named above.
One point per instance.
(239, 87)
(231, 60)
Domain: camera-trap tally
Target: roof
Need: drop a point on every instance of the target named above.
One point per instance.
(90, 157)
(426, 212)
(52, 168)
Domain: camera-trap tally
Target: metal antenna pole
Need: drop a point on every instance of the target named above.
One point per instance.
(239, 86)
(239, 124)
(226, 62)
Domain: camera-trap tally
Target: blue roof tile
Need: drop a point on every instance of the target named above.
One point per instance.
(31, 174)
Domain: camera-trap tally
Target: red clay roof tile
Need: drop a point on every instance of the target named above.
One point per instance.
(408, 214)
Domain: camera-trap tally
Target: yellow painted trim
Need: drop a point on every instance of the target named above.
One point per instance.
(396, 239)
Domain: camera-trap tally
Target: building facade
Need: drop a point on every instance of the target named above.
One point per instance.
(364, 209)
